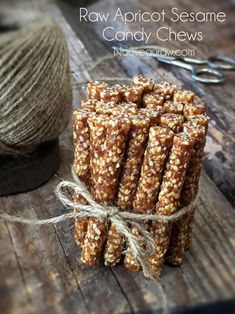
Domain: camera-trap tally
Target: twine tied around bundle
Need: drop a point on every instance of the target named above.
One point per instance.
(122, 220)
(35, 83)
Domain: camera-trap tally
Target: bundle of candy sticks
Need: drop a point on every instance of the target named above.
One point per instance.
(139, 147)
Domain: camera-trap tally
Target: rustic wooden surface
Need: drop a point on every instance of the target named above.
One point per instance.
(40, 270)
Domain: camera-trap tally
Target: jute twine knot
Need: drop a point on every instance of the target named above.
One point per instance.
(123, 220)
(35, 83)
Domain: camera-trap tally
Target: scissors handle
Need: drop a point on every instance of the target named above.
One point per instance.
(212, 76)
(221, 63)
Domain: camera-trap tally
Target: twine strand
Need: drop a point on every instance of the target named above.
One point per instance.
(109, 56)
(122, 220)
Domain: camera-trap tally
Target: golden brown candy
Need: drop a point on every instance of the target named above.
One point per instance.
(183, 96)
(160, 141)
(195, 108)
(173, 107)
(88, 104)
(81, 164)
(153, 114)
(165, 90)
(169, 196)
(105, 107)
(172, 121)
(181, 229)
(152, 100)
(111, 130)
(138, 136)
(111, 94)
(145, 82)
(105, 182)
(133, 94)
(95, 88)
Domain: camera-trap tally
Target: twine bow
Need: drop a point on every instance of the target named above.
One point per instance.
(121, 219)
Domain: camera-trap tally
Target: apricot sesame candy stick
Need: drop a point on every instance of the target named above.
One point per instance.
(181, 228)
(172, 121)
(80, 225)
(154, 114)
(169, 196)
(152, 100)
(173, 107)
(195, 108)
(88, 104)
(105, 108)
(165, 90)
(95, 88)
(197, 126)
(196, 121)
(138, 136)
(105, 187)
(97, 127)
(176, 250)
(183, 96)
(133, 94)
(160, 141)
(190, 186)
(145, 82)
(111, 94)
(125, 109)
(199, 119)
(81, 137)
(114, 149)
(81, 164)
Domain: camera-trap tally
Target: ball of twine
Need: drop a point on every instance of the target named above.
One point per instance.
(35, 83)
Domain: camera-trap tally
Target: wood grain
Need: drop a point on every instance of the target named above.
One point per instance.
(40, 270)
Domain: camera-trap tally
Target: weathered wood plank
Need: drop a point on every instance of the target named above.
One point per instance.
(53, 274)
(14, 293)
(40, 270)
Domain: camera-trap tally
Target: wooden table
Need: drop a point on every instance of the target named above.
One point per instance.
(40, 269)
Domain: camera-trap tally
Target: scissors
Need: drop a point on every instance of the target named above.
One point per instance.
(213, 65)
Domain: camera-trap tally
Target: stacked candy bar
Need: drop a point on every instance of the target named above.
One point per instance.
(138, 147)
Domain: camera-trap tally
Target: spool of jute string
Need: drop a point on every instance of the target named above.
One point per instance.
(35, 83)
